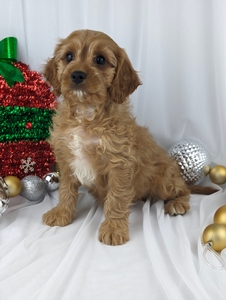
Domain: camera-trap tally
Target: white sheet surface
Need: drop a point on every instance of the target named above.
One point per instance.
(179, 48)
(162, 260)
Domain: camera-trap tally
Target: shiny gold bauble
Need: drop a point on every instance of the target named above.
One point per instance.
(218, 174)
(215, 235)
(220, 215)
(14, 185)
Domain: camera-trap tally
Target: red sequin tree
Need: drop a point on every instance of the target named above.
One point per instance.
(26, 111)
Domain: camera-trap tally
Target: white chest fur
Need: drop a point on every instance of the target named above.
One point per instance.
(81, 164)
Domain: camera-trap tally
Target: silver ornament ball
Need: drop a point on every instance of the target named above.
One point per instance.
(4, 196)
(193, 160)
(51, 181)
(3, 207)
(33, 189)
(4, 190)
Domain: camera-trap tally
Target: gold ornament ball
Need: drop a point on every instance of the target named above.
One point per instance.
(215, 235)
(220, 215)
(218, 174)
(14, 185)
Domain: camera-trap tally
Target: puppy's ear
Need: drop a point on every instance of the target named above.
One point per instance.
(126, 79)
(50, 73)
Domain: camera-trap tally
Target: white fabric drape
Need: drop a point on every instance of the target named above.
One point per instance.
(179, 49)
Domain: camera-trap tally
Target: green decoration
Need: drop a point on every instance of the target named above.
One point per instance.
(26, 123)
(8, 54)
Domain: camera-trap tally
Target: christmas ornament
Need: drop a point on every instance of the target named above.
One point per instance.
(218, 174)
(51, 181)
(14, 185)
(193, 160)
(26, 110)
(3, 207)
(220, 215)
(10, 186)
(215, 236)
(33, 189)
(4, 196)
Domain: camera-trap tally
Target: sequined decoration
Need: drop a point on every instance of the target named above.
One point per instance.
(28, 94)
(26, 111)
(27, 165)
(12, 153)
(193, 160)
(14, 122)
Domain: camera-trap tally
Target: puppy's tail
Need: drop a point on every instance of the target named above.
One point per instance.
(204, 190)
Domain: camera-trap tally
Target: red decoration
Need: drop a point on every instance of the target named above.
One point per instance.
(22, 158)
(28, 125)
(34, 92)
(14, 157)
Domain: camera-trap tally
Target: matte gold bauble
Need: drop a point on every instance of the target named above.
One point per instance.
(14, 185)
(218, 174)
(220, 215)
(215, 235)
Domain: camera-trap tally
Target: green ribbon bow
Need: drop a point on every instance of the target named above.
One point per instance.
(8, 54)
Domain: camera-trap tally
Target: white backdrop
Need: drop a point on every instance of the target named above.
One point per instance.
(179, 49)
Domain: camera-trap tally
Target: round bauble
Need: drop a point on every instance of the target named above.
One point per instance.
(215, 235)
(193, 160)
(34, 188)
(4, 190)
(218, 174)
(3, 207)
(51, 181)
(220, 215)
(14, 185)
(4, 196)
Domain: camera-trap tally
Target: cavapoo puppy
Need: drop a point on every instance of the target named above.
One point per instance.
(97, 142)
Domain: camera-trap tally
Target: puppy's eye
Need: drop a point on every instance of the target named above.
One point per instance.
(69, 57)
(100, 60)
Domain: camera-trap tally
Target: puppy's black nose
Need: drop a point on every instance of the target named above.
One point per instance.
(78, 77)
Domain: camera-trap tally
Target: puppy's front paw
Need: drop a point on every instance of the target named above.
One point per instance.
(175, 207)
(114, 232)
(57, 217)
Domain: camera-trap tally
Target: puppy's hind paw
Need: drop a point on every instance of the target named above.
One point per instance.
(57, 217)
(175, 207)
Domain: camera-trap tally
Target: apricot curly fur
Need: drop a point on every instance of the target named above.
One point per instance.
(96, 140)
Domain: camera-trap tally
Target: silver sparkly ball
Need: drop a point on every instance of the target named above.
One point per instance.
(33, 189)
(3, 207)
(52, 181)
(193, 160)
(4, 196)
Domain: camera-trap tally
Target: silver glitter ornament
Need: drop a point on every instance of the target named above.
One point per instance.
(33, 189)
(52, 181)
(3, 207)
(193, 160)
(4, 196)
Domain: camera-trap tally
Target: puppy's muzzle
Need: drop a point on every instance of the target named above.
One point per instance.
(78, 77)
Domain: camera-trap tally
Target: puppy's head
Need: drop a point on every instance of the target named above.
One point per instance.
(89, 63)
